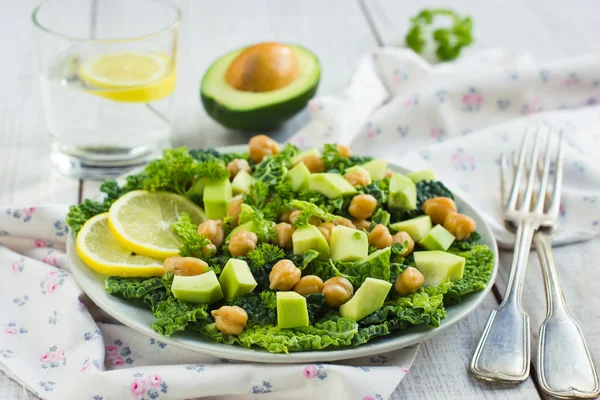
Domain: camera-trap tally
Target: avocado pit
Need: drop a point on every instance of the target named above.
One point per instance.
(263, 67)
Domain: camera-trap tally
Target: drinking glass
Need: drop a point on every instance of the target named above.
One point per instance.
(108, 71)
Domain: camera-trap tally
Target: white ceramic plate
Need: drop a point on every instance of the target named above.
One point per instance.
(141, 319)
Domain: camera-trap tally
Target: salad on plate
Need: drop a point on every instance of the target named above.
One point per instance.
(280, 248)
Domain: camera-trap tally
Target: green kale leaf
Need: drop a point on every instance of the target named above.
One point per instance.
(258, 308)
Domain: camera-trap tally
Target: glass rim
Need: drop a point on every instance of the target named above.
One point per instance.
(170, 26)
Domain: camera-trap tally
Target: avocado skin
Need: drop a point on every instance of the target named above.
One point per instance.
(258, 119)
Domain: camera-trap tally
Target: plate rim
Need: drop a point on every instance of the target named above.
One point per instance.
(239, 353)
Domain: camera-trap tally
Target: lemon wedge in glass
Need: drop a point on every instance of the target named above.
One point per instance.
(99, 249)
(141, 221)
(135, 77)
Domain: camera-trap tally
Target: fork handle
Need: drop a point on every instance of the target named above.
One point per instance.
(503, 351)
(565, 366)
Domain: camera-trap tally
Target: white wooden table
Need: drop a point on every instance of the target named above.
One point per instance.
(339, 32)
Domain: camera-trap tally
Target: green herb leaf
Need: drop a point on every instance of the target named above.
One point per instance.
(449, 40)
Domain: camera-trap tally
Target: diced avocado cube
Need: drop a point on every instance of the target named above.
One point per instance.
(368, 298)
(422, 175)
(299, 176)
(291, 310)
(300, 156)
(204, 288)
(376, 168)
(438, 238)
(242, 182)
(310, 238)
(437, 266)
(216, 196)
(403, 193)
(236, 279)
(348, 244)
(417, 227)
(361, 169)
(249, 226)
(246, 212)
(331, 185)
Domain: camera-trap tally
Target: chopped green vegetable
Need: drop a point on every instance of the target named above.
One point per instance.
(194, 243)
(425, 190)
(479, 263)
(334, 162)
(449, 40)
(259, 308)
(269, 197)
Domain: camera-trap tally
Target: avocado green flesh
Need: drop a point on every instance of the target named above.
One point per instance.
(310, 238)
(254, 111)
(417, 227)
(437, 238)
(292, 311)
(348, 244)
(216, 196)
(236, 279)
(369, 297)
(204, 288)
(437, 266)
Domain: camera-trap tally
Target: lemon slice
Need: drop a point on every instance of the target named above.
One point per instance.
(141, 221)
(99, 249)
(136, 77)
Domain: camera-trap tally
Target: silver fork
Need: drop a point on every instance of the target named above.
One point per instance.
(503, 351)
(565, 367)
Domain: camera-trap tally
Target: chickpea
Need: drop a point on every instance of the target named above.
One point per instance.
(261, 146)
(283, 235)
(230, 320)
(337, 291)
(344, 150)
(326, 228)
(213, 230)
(209, 250)
(309, 284)
(388, 173)
(460, 225)
(242, 243)
(438, 207)
(236, 166)
(361, 224)
(380, 237)
(285, 216)
(343, 221)
(284, 275)
(362, 206)
(234, 208)
(185, 266)
(358, 178)
(314, 163)
(403, 237)
(409, 281)
(312, 220)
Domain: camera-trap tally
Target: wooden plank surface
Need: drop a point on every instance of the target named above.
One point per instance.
(338, 32)
(440, 370)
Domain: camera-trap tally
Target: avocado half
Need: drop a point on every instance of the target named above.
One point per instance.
(257, 111)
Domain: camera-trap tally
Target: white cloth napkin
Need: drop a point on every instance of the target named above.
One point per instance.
(456, 118)
(52, 343)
